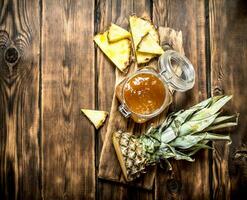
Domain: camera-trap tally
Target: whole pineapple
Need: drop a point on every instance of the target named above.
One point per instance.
(180, 136)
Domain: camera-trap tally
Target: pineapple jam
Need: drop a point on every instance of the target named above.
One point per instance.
(144, 93)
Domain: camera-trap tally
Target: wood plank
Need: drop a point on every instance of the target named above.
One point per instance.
(188, 180)
(228, 45)
(68, 85)
(19, 101)
(109, 167)
(116, 191)
(117, 12)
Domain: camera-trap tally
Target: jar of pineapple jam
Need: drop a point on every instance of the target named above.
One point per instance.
(148, 91)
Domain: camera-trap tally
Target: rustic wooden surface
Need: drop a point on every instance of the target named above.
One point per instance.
(228, 47)
(48, 150)
(186, 178)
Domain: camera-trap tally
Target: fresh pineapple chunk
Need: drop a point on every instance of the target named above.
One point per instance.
(97, 117)
(119, 52)
(117, 33)
(139, 28)
(142, 58)
(149, 45)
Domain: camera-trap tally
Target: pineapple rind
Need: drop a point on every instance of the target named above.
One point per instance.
(130, 155)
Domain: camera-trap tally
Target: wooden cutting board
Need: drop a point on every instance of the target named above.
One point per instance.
(109, 167)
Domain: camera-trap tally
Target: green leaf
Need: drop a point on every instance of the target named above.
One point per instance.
(221, 126)
(188, 141)
(224, 119)
(195, 126)
(212, 136)
(217, 104)
(168, 135)
(182, 156)
(198, 147)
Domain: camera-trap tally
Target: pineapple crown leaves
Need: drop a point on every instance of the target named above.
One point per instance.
(185, 132)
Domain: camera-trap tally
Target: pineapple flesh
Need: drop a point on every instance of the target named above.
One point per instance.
(117, 33)
(118, 52)
(139, 28)
(97, 117)
(149, 45)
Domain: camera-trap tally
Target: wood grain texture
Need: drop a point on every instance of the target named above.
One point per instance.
(48, 150)
(109, 167)
(228, 46)
(188, 180)
(115, 191)
(117, 12)
(67, 85)
(19, 102)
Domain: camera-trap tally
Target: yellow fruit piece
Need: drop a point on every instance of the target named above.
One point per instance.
(97, 117)
(139, 28)
(149, 45)
(144, 57)
(117, 33)
(118, 52)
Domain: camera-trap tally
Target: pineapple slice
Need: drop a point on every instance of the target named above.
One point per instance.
(117, 33)
(142, 58)
(119, 52)
(97, 117)
(139, 28)
(149, 45)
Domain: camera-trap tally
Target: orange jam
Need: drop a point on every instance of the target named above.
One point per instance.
(144, 93)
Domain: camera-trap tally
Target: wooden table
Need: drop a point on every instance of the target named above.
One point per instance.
(48, 150)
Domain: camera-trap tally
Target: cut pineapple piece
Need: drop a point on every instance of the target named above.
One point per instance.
(149, 45)
(97, 117)
(142, 58)
(119, 52)
(139, 28)
(117, 33)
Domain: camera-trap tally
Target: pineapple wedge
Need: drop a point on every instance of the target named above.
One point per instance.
(142, 58)
(97, 117)
(149, 45)
(117, 33)
(118, 52)
(139, 28)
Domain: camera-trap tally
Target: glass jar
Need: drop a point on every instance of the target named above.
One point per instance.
(148, 91)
